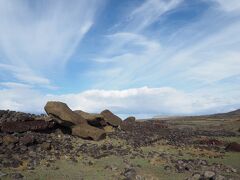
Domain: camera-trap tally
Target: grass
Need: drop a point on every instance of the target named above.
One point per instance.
(149, 168)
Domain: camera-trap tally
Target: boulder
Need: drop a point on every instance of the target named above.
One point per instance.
(195, 176)
(46, 146)
(8, 139)
(63, 113)
(93, 119)
(130, 119)
(35, 125)
(209, 174)
(108, 129)
(89, 116)
(27, 139)
(130, 173)
(111, 118)
(233, 147)
(87, 131)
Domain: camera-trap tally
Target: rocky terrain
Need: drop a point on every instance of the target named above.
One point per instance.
(66, 144)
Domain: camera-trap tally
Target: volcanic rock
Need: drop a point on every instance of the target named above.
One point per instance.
(27, 139)
(130, 173)
(211, 142)
(16, 176)
(13, 116)
(46, 146)
(93, 119)
(130, 119)
(87, 131)
(209, 174)
(195, 176)
(233, 147)
(34, 125)
(220, 177)
(64, 113)
(8, 139)
(2, 174)
(109, 129)
(111, 118)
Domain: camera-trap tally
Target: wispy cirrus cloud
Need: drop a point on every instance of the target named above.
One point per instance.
(26, 75)
(194, 61)
(163, 57)
(39, 36)
(147, 13)
(233, 5)
(201, 57)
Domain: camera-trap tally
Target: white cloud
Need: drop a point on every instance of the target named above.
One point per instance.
(229, 6)
(20, 97)
(149, 12)
(225, 65)
(126, 59)
(14, 85)
(192, 57)
(26, 75)
(35, 42)
(142, 102)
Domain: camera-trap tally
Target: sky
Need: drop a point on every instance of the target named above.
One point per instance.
(135, 57)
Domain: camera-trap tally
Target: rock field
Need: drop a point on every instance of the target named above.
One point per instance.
(66, 144)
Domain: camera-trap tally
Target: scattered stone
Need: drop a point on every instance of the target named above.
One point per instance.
(13, 116)
(109, 129)
(30, 168)
(130, 119)
(235, 147)
(23, 148)
(35, 125)
(167, 168)
(111, 118)
(55, 168)
(9, 139)
(111, 167)
(2, 174)
(27, 139)
(32, 154)
(17, 176)
(220, 177)
(195, 176)
(211, 142)
(209, 174)
(130, 173)
(234, 170)
(46, 146)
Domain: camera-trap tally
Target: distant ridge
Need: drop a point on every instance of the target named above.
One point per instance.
(217, 115)
(231, 113)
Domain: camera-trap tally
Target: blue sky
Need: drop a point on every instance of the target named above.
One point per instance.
(135, 57)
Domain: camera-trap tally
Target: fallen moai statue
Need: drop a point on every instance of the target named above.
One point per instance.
(93, 119)
(79, 123)
(63, 113)
(111, 118)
